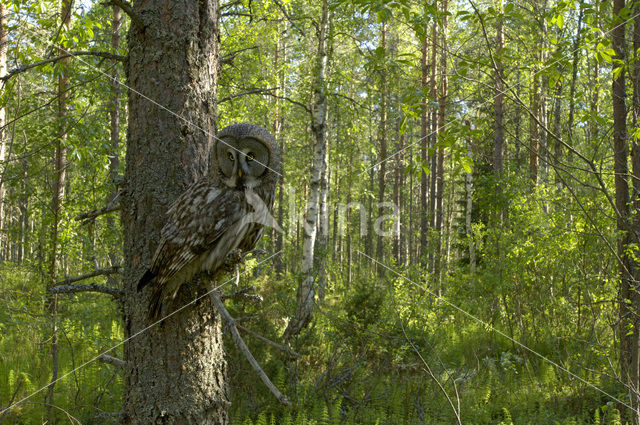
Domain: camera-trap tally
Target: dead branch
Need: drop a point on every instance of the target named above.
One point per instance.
(229, 58)
(29, 66)
(243, 293)
(15, 392)
(280, 347)
(231, 324)
(86, 217)
(113, 361)
(72, 289)
(128, 9)
(98, 272)
(254, 91)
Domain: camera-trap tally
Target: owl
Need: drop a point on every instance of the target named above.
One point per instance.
(219, 214)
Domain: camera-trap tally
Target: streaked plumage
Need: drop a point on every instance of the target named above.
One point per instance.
(216, 215)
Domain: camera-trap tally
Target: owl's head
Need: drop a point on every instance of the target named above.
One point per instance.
(245, 156)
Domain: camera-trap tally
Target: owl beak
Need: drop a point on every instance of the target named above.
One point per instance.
(239, 172)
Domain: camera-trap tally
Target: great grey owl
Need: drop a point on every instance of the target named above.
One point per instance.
(221, 213)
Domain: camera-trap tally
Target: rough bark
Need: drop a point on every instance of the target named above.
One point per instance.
(433, 139)
(442, 115)
(305, 297)
(424, 137)
(382, 172)
(4, 45)
(175, 371)
(114, 118)
(534, 140)
(278, 122)
(58, 186)
(468, 212)
(498, 100)
(629, 299)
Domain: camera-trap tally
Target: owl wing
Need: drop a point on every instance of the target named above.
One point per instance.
(195, 222)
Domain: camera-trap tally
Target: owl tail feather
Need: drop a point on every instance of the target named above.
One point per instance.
(145, 279)
(155, 304)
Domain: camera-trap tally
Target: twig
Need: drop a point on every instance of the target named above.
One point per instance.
(29, 66)
(286, 15)
(99, 272)
(113, 361)
(109, 415)
(254, 91)
(72, 289)
(13, 397)
(231, 324)
(228, 5)
(243, 293)
(227, 59)
(110, 207)
(128, 9)
(280, 347)
(90, 215)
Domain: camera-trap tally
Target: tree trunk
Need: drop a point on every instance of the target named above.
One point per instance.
(4, 46)
(114, 118)
(442, 111)
(629, 299)
(305, 298)
(175, 372)
(58, 186)
(424, 137)
(468, 212)
(498, 100)
(382, 172)
(278, 121)
(433, 89)
(534, 140)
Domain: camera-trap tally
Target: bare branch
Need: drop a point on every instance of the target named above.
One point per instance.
(110, 207)
(231, 324)
(72, 289)
(113, 361)
(99, 272)
(15, 392)
(254, 91)
(128, 9)
(90, 215)
(29, 66)
(228, 58)
(228, 5)
(110, 415)
(295, 102)
(286, 15)
(243, 293)
(281, 347)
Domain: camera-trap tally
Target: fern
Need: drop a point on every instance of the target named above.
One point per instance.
(262, 419)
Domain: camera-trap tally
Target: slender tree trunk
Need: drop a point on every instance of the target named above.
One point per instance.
(4, 46)
(468, 212)
(175, 372)
(433, 88)
(534, 140)
(424, 137)
(498, 100)
(629, 299)
(442, 114)
(114, 118)
(58, 186)
(278, 121)
(305, 298)
(397, 198)
(382, 172)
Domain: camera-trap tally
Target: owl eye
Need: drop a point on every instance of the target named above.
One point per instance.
(230, 156)
(250, 156)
